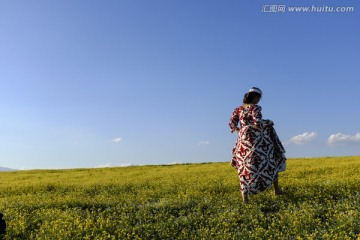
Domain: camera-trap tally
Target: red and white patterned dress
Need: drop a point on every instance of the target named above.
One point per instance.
(258, 154)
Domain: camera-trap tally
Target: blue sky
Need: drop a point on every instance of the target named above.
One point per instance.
(133, 82)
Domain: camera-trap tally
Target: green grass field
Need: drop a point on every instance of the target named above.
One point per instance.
(194, 201)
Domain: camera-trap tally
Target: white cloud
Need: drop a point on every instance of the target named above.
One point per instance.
(303, 138)
(109, 165)
(116, 140)
(204, 143)
(340, 138)
(106, 165)
(174, 163)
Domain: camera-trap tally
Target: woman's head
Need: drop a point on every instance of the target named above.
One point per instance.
(253, 96)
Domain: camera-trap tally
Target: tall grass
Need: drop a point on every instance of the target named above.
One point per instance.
(193, 201)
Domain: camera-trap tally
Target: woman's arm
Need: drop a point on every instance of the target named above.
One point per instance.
(234, 121)
(257, 116)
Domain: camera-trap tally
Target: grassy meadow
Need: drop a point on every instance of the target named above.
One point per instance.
(189, 201)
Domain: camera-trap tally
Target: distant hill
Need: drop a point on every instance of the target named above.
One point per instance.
(5, 169)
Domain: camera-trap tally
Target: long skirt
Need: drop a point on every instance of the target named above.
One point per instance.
(258, 156)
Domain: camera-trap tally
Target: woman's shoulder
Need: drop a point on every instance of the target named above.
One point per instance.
(251, 107)
(239, 108)
(257, 106)
(254, 108)
(247, 108)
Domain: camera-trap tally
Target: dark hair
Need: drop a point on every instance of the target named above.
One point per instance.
(249, 97)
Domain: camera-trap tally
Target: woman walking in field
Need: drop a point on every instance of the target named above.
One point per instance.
(258, 154)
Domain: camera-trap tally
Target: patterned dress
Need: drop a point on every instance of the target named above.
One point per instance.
(258, 154)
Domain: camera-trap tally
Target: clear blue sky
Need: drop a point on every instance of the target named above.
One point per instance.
(106, 83)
